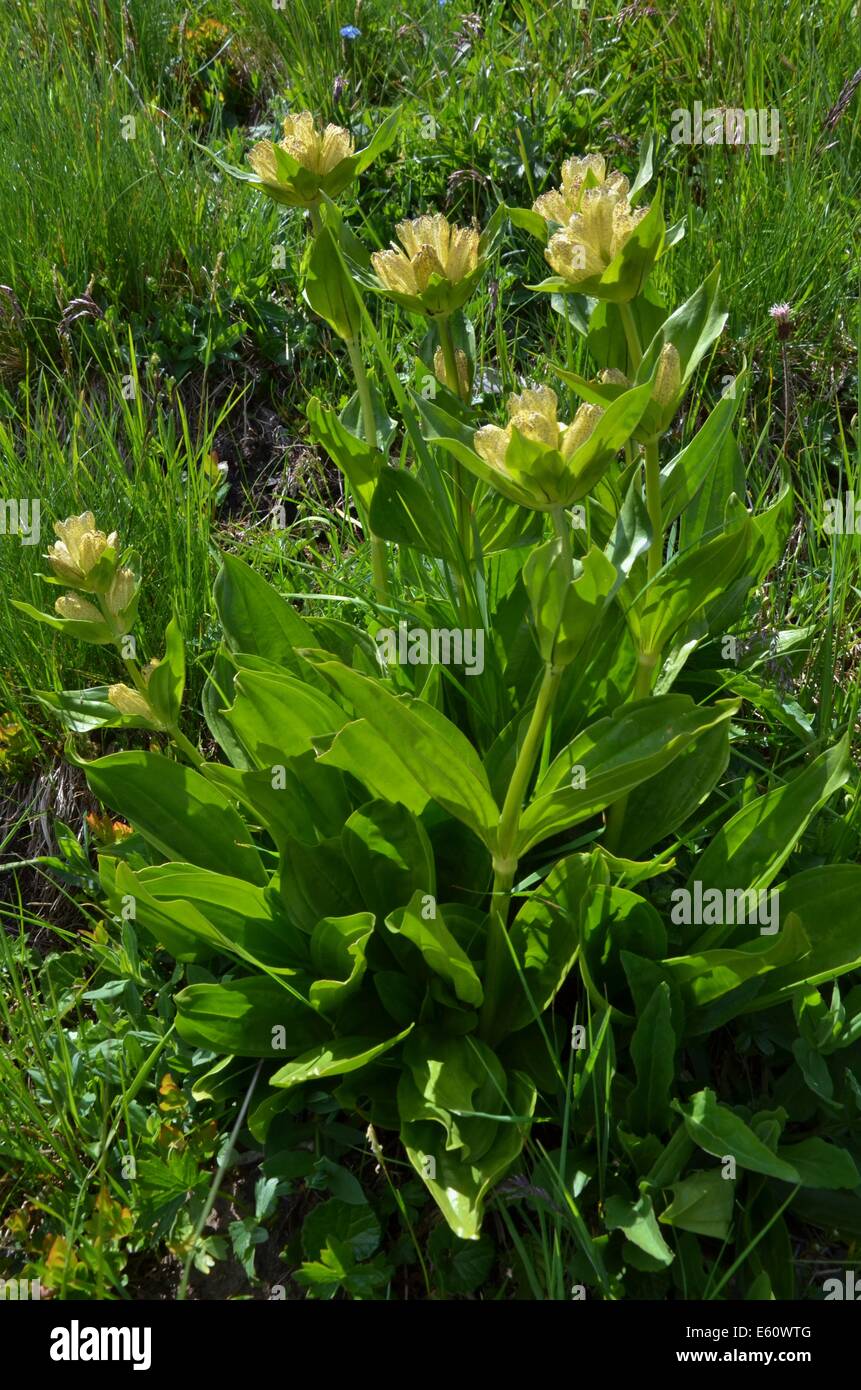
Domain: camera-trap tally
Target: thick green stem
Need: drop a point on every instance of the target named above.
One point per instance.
(505, 856)
(369, 429)
(452, 381)
(563, 531)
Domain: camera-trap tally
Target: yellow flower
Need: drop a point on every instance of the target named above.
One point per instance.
(78, 609)
(308, 162)
(560, 204)
(305, 162)
(83, 555)
(594, 236)
(548, 475)
(132, 703)
(436, 270)
(319, 152)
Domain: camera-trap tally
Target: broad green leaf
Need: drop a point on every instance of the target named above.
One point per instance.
(167, 682)
(403, 511)
(338, 946)
(391, 857)
(430, 748)
(663, 803)
(298, 800)
(685, 585)
(612, 757)
(178, 811)
(820, 1164)
(719, 1131)
(79, 711)
(363, 750)
(278, 717)
(327, 288)
(752, 847)
(438, 947)
(334, 1059)
(686, 473)
(545, 938)
(639, 1223)
(702, 1203)
(460, 1186)
(653, 1049)
(251, 1017)
(825, 901)
(315, 882)
(254, 617)
(703, 976)
(97, 633)
(241, 917)
(359, 461)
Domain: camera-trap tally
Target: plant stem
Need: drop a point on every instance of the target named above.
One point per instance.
(653, 507)
(632, 337)
(183, 744)
(452, 379)
(505, 857)
(369, 429)
(563, 531)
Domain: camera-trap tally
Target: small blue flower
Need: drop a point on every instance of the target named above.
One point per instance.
(349, 31)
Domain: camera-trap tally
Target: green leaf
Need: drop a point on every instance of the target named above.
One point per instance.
(663, 803)
(390, 854)
(402, 511)
(97, 633)
(338, 946)
(254, 616)
(720, 1132)
(327, 287)
(639, 1223)
(334, 1059)
(686, 473)
(431, 749)
(820, 1164)
(653, 1049)
(228, 914)
(80, 711)
(545, 938)
(361, 463)
(752, 847)
(702, 1203)
(461, 1266)
(611, 757)
(691, 580)
(178, 811)
(278, 716)
(246, 1017)
(356, 1226)
(438, 947)
(458, 1183)
(825, 901)
(167, 682)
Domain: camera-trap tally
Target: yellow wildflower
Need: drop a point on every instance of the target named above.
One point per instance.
(83, 555)
(435, 270)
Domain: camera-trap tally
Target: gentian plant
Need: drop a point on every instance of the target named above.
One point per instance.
(466, 898)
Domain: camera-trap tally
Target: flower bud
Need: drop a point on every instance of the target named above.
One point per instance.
(669, 376)
(131, 702)
(122, 591)
(78, 609)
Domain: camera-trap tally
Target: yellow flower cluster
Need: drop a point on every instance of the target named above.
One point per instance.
(533, 414)
(431, 246)
(595, 219)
